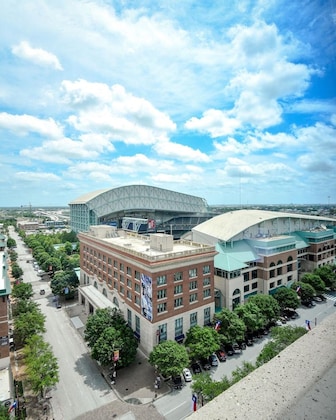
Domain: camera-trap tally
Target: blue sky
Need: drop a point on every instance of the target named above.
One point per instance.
(232, 101)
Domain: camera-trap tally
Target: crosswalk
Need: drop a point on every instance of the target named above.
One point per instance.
(330, 297)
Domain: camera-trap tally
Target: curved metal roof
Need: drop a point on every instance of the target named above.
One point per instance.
(228, 225)
(140, 197)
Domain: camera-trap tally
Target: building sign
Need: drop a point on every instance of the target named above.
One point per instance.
(146, 297)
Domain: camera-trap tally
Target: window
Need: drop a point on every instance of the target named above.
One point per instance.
(206, 316)
(129, 283)
(129, 271)
(272, 274)
(129, 317)
(161, 280)
(192, 272)
(137, 275)
(206, 281)
(279, 271)
(254, 274)
(178, 327)
(115, 264)
(162, 332)
(115, 274)
(289, 267)
(246, 276)
(193, 319)
(115, 285)
(137, 287)
(121, 267)
(162, 293)
(129, 294)
(178, 276)
(137, 324)
(193, 285)
(272, 285)
(162, 307)
(178, 302)
(122, 290)
(178, 289)
(137, 300)
(236, 292)
(279, 282)
(206, 293)
(246, 288)
(255, 285)
(109, 261)
(122, 279)
(193, 297)
(206, 269)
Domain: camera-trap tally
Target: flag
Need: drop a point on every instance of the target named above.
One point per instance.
(308, 327)
(194, 402)
(217, 326)
(12, 406)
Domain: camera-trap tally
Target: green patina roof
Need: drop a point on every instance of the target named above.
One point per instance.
(234, 256)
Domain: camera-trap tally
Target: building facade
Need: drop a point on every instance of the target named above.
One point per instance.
(5, 290)
(161, 285)
(260, 251)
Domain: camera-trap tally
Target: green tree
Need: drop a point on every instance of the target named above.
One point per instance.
(286, 298)
(208, 389)
(202, 341)
(16, 271)
(304, 290)
(169, 357)
(268, 306)
(11, 243)
(28, 324)
(109, 326)
(68, 248)
(4, 415)
(251, 315)
(41, 364)
(242, 371)
(327, 273)
(281, 338)
(64, 283)
(315, 281)
(22, 291)
(23, 306)
(232, 328)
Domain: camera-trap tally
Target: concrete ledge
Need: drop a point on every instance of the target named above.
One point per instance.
(285, 387)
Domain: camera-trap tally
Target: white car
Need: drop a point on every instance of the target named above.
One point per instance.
(187, 375)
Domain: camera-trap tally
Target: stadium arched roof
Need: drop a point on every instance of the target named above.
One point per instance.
(228, 226)
(140, 197)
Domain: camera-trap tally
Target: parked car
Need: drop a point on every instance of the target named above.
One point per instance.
(177, 381)
(317, 299)
(322, 297)
(196, 367)
(58, 305)
(221, 355)
(229, 350)
(187, 375)
(236, 348)
(307, 303)
(242, 345)
(213, 360)
(205, 364)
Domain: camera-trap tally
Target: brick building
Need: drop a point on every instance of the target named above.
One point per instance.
(5, 290)
(161, 285)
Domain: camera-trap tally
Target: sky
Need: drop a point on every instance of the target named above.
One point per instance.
(233, 101)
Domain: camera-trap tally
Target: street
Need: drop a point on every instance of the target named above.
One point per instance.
(81, 387)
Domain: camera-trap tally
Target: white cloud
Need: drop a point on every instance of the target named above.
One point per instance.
(115, 113)
(24, 124)
(42, 177)
(36, 55)
(180, 152)
(215, 122)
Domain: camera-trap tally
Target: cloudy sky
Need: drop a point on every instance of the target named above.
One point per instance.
(230, 100)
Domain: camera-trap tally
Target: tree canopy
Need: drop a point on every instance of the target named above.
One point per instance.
(22, 291)
(231, 328)
(286, 298)
(315, 281)
(204, 386)
(268, 306)
(202, 341)
(41, 364)
(28, 324)
(169, 357)
(107, 331)
(304, 290)
(251, 315)
(327, 274)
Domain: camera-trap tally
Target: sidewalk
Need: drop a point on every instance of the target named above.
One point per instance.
(134, 385)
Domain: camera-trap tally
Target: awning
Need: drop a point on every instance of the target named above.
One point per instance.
(179, 338)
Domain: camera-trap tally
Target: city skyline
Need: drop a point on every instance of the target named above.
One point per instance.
(234, 103)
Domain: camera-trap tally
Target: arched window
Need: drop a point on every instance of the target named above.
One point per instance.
(104, 292)
(290, 258)
(279, 262)
(272, 264)
(236, 292)
(95, 285)
(115, 301)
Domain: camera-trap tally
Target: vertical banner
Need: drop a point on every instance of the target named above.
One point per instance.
(146, 297)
